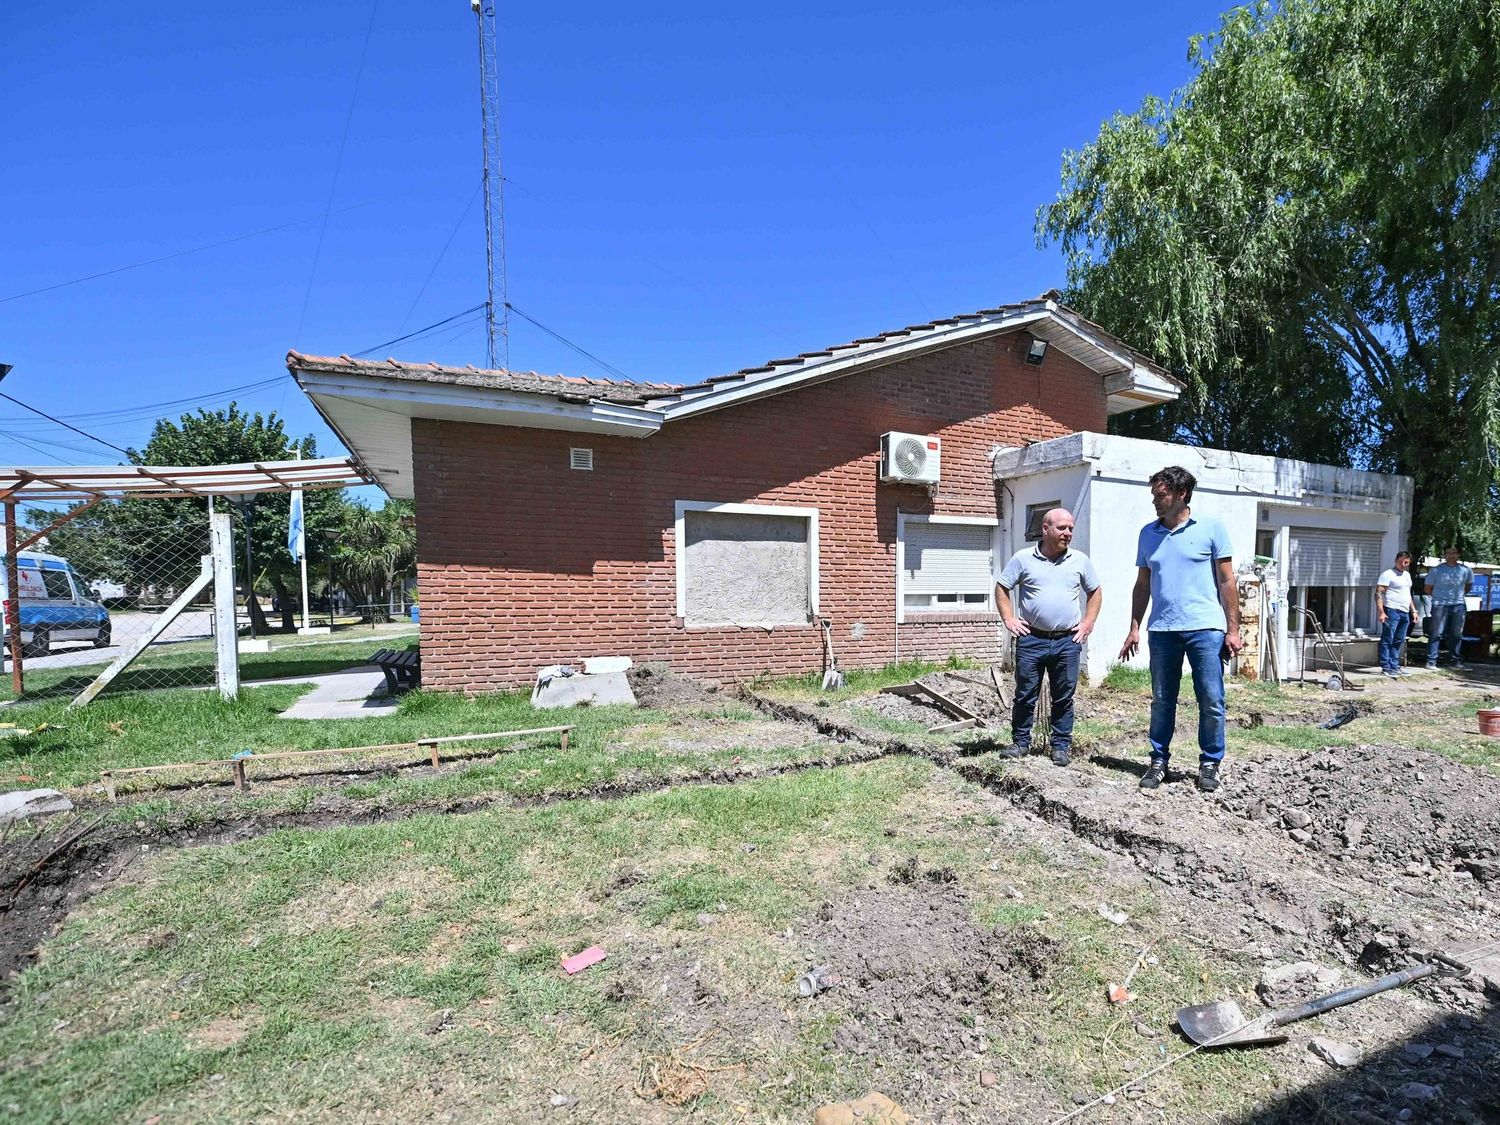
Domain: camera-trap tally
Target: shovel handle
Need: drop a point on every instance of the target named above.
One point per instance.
(1350, 995)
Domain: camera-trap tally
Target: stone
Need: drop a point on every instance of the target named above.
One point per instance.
(1295, 818)
(1326, 974)
(1416, 1092)
(1276, 981)
(1449, 1050)
(1354, 831)
(1417, 1051)
(1301, 835)
(872, 1109)
(988, 1078)
(1335, 1054)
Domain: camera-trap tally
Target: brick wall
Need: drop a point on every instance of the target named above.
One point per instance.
(524, 562)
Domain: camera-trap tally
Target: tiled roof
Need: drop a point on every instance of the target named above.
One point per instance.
(579, 389)
(569, 387)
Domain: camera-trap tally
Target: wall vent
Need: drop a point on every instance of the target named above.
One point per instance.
(581, 459)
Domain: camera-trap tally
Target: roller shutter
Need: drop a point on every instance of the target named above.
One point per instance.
(948, 558)
(1328, 557)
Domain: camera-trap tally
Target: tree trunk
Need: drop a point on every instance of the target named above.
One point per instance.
(288, 604)
(257, 615)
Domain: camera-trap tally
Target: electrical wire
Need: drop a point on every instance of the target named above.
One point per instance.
(338, 165)
(183, 253)
(128, 416)
(564, 340)
(34, 449)
(65, 425)
(451, 236)
(418, 332)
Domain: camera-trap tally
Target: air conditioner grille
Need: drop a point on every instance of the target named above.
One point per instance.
(911, 457)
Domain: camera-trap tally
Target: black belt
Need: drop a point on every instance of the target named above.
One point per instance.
(1053, 634)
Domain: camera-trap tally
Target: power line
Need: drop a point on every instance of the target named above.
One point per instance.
(181, 253)
(43, 452)
(66, 425)
(418, 332)
(564, 340)
(338, 165)
(453, 234)
(145, 410)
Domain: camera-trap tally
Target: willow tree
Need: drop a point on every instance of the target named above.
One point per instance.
(1319, 200)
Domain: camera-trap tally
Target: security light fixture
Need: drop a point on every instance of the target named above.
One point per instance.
(1036, 351)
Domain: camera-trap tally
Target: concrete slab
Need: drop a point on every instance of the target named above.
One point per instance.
(355, 693)
(19, 804)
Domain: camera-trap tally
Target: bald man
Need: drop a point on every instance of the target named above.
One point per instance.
(1057, 602)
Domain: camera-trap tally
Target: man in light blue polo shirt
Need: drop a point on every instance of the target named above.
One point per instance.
(1057, 602)
(1187, 577)
(1449, 584)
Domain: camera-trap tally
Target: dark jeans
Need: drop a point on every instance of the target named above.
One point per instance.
(1447, 626)
(1201, 647)
(1392, 637)
(1058, 658)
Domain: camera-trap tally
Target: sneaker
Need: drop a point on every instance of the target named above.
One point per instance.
(1208, 776)
(1406, 672)
(1060, 756)
(1015, 750)
(1432, 667)
(1392, 675)
(1155, 774)
(1460, 666)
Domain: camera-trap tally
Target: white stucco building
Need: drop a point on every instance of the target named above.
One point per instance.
(1329, 531)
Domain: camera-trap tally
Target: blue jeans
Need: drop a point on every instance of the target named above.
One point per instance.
(1058, 658)
(1202, 648)
(1392, 637)
(1447, 625)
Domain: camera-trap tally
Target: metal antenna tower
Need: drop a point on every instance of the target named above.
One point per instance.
(497, 307)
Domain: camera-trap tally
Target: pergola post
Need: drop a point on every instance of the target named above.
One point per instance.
(226, 640)
(13, 601)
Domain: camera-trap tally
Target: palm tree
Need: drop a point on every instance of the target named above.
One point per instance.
(377, 548)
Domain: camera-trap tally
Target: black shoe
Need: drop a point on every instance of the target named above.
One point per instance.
(1208, 776)
(1155, 774)
(1015, 750)
(1060, 756)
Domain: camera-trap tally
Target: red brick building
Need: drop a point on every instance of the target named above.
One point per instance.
(712, 526)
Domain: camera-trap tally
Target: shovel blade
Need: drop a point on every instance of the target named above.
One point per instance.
(1222, 1024)
(833, 680)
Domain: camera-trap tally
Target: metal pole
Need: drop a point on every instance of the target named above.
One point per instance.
(13, 601)
(302, 559)
(226, 639)
(249, 571)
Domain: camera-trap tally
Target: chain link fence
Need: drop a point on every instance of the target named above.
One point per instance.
(123, 575)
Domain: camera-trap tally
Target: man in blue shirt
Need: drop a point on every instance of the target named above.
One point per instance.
(1187, 577)
(1449, 583)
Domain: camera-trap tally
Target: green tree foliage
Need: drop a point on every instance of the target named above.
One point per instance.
(377, 548)
(1307, 232)
(162, 540)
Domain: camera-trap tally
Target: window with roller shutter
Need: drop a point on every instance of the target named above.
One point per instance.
(947, 567)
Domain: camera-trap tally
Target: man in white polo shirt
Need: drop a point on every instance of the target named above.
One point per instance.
(1057, 603)
(1393, 602)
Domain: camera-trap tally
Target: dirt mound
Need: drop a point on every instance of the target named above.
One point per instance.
(1384, 805)
(656, 685)
(967, 689)
(917, 976)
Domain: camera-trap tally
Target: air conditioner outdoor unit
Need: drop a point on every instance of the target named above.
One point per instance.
(910, 458)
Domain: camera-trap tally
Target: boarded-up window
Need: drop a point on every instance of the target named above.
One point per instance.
(746, 569)
(947, 567)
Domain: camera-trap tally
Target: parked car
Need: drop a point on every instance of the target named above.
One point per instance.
(55, 605)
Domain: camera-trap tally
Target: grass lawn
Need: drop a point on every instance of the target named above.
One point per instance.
(410, 970)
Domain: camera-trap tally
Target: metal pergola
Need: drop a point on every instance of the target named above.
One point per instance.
(87, 485)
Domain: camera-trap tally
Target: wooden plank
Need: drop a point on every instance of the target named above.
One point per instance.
(1000, 691)
(945, 728)
(956, 710)
(907, 690)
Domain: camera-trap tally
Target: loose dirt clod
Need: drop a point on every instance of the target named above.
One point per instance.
(655, 685)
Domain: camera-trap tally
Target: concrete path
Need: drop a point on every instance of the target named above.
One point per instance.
(355, 693)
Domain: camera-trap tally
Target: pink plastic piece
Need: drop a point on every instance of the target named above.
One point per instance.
(580, 961)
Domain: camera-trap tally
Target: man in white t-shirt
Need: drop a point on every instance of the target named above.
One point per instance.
(1393, 603)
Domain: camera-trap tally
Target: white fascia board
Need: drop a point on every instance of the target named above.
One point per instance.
(680, 540)
(1138, 387)
(484, 405)
(875, 355)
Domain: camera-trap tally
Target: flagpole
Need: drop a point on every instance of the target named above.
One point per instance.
(302, 557)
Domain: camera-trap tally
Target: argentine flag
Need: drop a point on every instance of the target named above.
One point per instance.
(296, 541)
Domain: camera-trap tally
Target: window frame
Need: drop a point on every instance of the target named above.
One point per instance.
(934, 611)
(682, 507)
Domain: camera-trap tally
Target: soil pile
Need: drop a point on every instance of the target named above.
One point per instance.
(966, 689)
(916, 975)
(655, 685)
(1385, 805)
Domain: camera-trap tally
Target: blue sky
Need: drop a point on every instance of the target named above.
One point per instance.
(690, 191)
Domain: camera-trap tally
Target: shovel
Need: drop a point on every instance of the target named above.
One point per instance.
(833, 679)
(1222, 1024)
